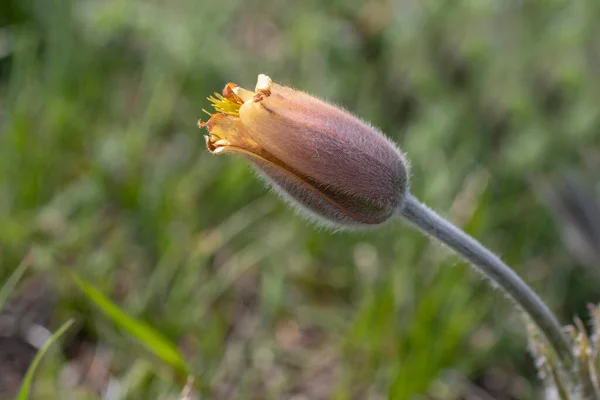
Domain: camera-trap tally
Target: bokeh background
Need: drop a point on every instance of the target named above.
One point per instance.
(103, 173)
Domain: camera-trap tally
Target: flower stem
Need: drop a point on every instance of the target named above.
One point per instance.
(493, 268)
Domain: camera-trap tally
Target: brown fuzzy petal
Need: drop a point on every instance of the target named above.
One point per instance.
(328, 145)
(327, 206)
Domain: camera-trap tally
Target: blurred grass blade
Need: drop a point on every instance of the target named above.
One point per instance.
(145, 334)
(14, 278)
(186, 394)
(28, 380)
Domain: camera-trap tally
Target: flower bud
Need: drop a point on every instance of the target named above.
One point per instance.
(335, 166)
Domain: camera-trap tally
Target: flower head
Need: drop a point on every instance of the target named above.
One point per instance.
(332, 164)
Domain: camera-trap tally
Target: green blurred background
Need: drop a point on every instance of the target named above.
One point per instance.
(104, 172)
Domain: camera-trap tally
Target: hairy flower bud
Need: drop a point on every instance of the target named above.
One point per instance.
(337, 167)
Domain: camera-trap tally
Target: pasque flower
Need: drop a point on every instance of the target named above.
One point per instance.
(347, 173)
(332, 164)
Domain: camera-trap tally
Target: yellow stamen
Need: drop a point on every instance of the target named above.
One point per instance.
(225, 105)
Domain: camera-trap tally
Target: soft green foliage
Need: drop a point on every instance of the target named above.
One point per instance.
(9, 285)
(143, 333)
(585, 347)
(24, 393)
(103, 170)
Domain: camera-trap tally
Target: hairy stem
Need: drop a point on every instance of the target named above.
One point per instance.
(493, 268)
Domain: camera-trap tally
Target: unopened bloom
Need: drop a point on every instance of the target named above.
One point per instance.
(332, 164)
